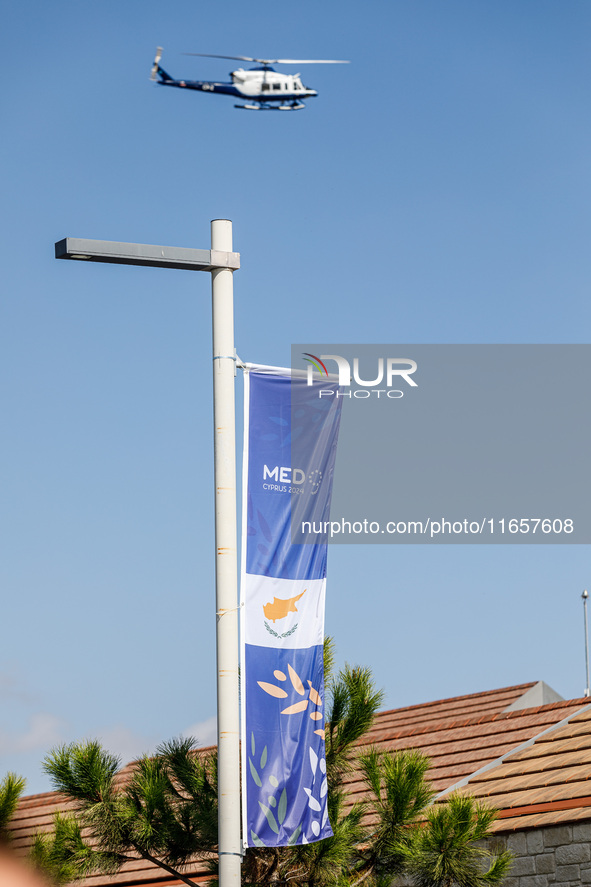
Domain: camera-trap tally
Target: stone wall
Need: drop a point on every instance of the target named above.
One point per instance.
(559, 854)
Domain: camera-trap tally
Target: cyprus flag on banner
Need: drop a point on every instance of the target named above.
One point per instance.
(282, 596)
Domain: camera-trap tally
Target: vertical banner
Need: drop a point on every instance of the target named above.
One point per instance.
(284, 788)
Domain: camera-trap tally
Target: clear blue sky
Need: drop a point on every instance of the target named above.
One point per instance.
(437, 190)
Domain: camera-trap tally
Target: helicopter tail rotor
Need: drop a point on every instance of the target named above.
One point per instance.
(156, 65)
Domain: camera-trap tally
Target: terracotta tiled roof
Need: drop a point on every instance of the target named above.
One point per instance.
(484, 704)
(460, 736)
(547, 783)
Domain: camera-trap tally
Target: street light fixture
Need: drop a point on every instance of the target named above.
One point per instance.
(221, 262)
(115, 253)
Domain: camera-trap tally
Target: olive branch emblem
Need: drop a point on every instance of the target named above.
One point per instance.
(313, 699)
(286, 634)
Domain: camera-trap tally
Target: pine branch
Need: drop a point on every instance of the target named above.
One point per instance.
(444, 852)
(11, 788)
(159, 862)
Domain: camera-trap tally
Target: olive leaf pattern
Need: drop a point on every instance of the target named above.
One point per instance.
(276, 809)
(274, 819)
(313, 699)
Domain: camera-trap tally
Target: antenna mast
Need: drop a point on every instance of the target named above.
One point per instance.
(585, 596)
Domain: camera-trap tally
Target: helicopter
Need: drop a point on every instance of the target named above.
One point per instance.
(263, 88)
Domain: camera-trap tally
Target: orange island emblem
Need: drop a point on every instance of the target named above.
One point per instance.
(280, 608)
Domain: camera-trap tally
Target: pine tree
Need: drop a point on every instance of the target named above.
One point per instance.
(449, 851)
(11, 788)
(163, 809)
(398, 797)
(164, 813)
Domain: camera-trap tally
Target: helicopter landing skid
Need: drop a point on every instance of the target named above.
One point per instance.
(293, 106)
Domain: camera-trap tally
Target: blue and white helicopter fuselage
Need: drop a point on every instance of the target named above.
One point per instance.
(263, 88)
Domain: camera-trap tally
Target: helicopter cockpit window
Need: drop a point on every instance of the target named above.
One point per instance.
(266, 87)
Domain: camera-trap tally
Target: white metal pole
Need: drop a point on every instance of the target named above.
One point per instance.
(226, 561)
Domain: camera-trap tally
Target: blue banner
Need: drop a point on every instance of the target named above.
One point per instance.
(282, 608)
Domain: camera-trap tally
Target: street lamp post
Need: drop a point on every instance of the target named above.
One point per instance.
(224, 419)
(221, 262)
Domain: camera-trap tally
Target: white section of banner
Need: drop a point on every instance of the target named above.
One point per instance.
(287, 613)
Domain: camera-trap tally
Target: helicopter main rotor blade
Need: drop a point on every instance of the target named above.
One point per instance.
(310, 62)
(237, 58)
(246, 58)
